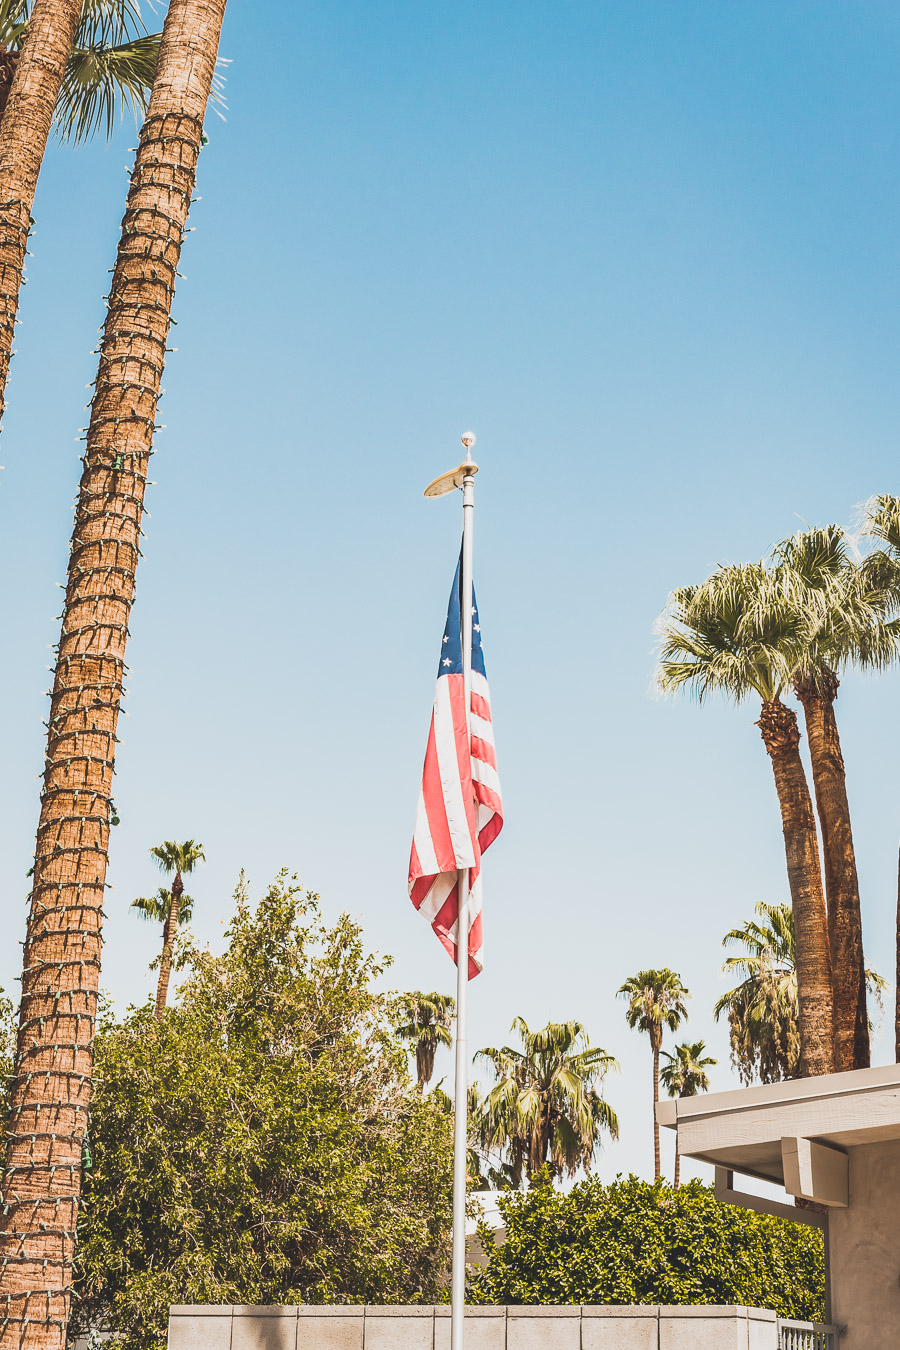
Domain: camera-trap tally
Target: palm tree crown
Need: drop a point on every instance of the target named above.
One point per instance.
(426, 1026)
(545, 1106)
(656, 1000)
(685, 1073)
(762, 1010)
(155, 908)
(178, 858)
(111, 66)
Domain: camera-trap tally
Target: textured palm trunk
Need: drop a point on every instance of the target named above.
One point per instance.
(170, 928)
(677, 1181)
(897, 999)
(27, 115)
(51, 1084)
(851, 1022)
(781, 735)
(657, 1168)
(8, 62)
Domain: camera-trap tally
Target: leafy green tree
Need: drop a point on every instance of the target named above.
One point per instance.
(177, 858)
(426, 1024)
(641, 1242)
(264, 1142)
(741, 633)
(545, 1107)
(656, 1001)
(684, 1076)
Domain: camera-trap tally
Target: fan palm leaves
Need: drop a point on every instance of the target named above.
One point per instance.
(762, 1010)
(545, 1107)
(426, 1025)
(178, 859)
(684, 1075)
(156, 908)
(656, 1002)
(741, 633)
(110, 66)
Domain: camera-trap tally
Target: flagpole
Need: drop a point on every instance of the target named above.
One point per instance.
(461, 1081)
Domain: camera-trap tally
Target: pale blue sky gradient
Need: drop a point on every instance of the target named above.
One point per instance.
(649, 252)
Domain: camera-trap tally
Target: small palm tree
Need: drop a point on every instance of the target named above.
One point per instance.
(684, 1076)
(545, 1108)
(426, 1025)
(178, 858)
(763, 1010)
(656, 1001)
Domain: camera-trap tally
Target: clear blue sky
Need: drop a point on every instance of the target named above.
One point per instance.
(649, 252)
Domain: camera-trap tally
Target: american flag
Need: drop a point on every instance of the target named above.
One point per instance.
(459, 812)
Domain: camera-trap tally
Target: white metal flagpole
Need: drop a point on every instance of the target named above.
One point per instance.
(461, 1082)
(463, 477)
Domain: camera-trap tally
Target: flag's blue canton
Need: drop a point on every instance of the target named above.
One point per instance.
(451, 647)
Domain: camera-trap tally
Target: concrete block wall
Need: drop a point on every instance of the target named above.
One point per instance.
(574, 1327)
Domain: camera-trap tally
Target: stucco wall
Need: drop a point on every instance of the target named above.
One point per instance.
(864, 1250)
(427, 1328)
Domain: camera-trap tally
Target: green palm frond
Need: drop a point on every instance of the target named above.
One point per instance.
(544, 1103)
(101, 80)
(172, 857)
(13, 22)
(155, 908)
(656, 999)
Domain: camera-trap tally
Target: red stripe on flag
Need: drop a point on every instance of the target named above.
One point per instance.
(435, 807)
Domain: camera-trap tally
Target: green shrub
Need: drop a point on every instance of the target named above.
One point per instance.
(641, 1242)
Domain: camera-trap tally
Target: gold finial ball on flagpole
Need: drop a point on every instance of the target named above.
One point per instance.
(454, 478)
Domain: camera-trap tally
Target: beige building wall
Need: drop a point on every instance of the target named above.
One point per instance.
(571, 1327)
(864, 1250)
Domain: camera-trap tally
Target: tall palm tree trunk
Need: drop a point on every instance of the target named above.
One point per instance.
(851, 1022)
(677, 1181)
(657, 1168)
(27, 116)
(897, 999)
(170, 928)
(51, 1084)
(781, 735)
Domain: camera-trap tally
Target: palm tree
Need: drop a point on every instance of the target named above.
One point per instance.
(738, 633)
(882, 521)
(545, 1108)
(845, 615)
(69, 60)
(51, 1086)
(178, 858)
(684, 1076)
(762, 1010)
(656, 1000)
(427, 1021)
(158, 908)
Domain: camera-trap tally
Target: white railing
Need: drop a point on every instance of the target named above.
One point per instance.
(806, 1336)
